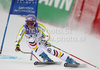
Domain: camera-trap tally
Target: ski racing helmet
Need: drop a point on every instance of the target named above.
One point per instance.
(31, 18)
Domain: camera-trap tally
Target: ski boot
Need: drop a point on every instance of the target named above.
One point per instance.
(70, 60)
(45, 57)
(71, 63)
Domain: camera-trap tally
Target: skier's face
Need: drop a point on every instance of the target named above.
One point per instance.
(30, 25)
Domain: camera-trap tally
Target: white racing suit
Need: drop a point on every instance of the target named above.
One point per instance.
(35, 36)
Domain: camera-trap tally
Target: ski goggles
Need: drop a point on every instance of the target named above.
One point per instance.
(30, 23)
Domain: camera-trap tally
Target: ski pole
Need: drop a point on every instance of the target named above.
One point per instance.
(32, 54)
(73, 56)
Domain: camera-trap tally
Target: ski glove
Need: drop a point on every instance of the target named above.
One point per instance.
(42, 42)
(17, 48)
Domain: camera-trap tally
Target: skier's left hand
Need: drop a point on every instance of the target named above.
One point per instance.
(17, 48)
(42, 42)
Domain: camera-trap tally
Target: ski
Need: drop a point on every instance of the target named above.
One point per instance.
(71, 65)
(46, 63)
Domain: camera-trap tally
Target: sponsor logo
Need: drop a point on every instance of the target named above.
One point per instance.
(58, 3)
(49, 50)
(30, 8)
(29, 19)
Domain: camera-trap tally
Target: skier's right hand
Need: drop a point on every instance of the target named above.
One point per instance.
(42, 42)
(17, 48)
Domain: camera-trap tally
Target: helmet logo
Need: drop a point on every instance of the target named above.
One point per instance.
(30, 19)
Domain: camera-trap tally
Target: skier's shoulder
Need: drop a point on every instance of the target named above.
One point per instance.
(25, 27)
(41, 26)
(22, 28)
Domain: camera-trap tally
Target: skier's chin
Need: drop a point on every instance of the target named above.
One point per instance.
(31, 28)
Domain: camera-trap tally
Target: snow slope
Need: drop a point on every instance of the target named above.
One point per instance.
(77, 43)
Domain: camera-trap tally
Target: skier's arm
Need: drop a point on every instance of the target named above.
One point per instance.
(20, 35)
(44, 31)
